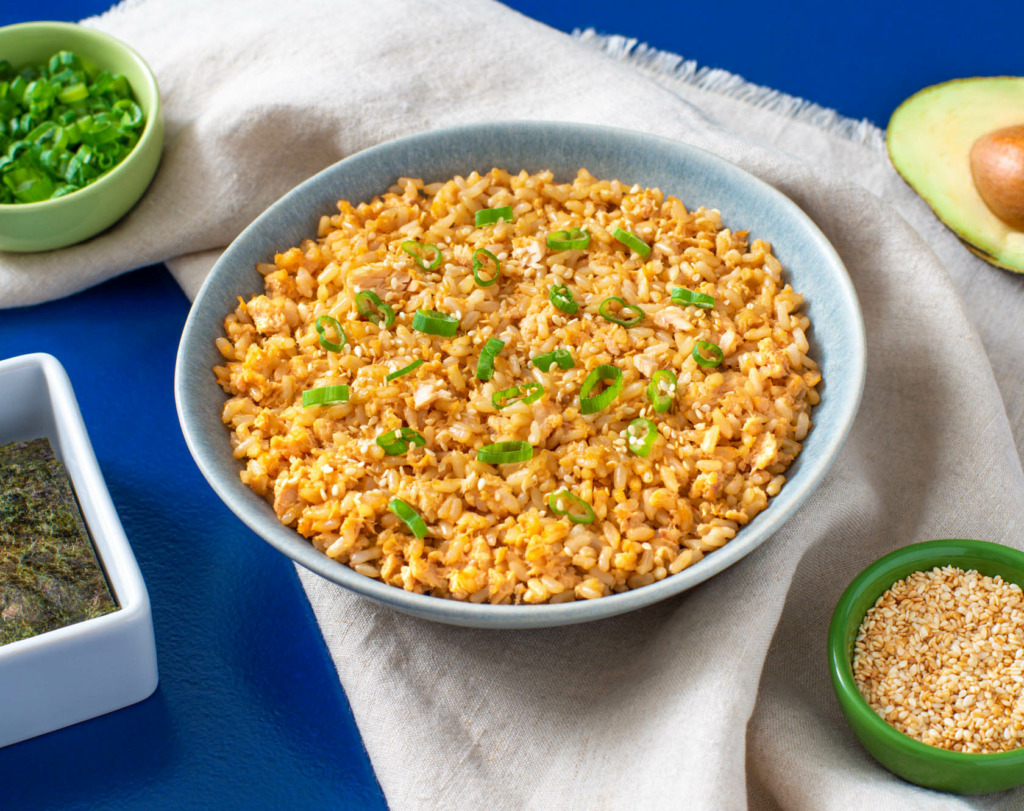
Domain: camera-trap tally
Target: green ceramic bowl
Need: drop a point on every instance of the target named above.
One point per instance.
(905, 756)
(77, 216)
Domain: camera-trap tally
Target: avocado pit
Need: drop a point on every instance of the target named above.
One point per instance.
(997, 166)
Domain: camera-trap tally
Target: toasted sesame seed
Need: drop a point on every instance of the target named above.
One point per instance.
(940, 657)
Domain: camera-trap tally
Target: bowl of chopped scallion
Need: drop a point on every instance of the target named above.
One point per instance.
(81, 133)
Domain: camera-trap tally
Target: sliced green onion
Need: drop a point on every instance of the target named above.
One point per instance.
(505, 453)
(485, 366)
(370, 306)
(58, 132)
(606, 373)
(680, 295)
(325, 395)
(573, 239)
(434, 323)
(563, 357)
(398, 441)
(416, 250)
(607, 315)
(572, 507)
(489, 216)
(412, 367)
(714, 351)
(408, 516)
(526, 393)
(632, 241)
(661, 391)
(478, 263)
(640, 436)
(326, 342)
(561, 297)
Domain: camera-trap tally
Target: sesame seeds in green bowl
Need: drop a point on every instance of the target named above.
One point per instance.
(927, 644)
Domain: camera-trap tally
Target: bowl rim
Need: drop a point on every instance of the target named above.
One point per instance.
(545, 615)
(152, 116)
(929, 554)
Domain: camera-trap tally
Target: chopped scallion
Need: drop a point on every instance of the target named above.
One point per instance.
(573, 239)
(606, 312)
(504, 453)
(408, 516)
(633, 242)
(434, 323)
(561, 297)
(489, 216)
(418, 252)
(571, 506)
(605, 373)
(661, 391)
(372, 307)
(526, 393)
(397, 442)
(680, 295)
(321, 325)
(485, 366)
(324, 396)
(640, 436)
(478, 263)
(707, 354)
(560, 356)
(412, 367)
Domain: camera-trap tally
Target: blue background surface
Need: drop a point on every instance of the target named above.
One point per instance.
(249, 712)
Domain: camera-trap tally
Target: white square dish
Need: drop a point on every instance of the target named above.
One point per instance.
(60, 677)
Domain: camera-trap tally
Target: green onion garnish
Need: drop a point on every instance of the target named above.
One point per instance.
(324, 396)
(505, 453)
(640, 436)
(563, 357)
(325, 342)
(561, 297)
(680, 295)
(661, 391)
(61, 127)
(713, 350)
(606, 313)
(527, 393)
(412, 367)
(434, 323)
(571, 506)
(632, 241)
(574, 239)
(370, 306)
(485, 366)
(409, 517)
(603, 373)
(418, 250)
(397, 441)
(478, 263)
(489, 216)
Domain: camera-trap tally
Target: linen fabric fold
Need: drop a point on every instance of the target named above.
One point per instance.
(718, 698)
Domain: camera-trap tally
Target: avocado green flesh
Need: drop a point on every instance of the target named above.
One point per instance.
(929, 140)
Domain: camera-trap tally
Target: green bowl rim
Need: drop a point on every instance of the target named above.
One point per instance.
(152, 118)
(930, 553)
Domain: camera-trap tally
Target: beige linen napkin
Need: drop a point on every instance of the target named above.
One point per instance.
(716, 699)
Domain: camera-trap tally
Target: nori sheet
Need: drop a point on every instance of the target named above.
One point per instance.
(49, 573)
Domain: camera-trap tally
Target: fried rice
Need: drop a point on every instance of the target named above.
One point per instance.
(492, 535)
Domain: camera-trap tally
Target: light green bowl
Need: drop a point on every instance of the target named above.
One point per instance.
(907, 757)
(77, 216)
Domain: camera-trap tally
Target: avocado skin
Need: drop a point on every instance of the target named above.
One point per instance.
(929, 140)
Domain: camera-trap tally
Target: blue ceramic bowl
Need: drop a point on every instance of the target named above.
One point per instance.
(696, 177)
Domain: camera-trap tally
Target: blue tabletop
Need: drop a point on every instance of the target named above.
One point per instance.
(249, 712)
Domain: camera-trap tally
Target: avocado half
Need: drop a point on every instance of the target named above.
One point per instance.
(929, 140)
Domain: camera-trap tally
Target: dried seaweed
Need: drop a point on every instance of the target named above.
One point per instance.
(49, 574)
